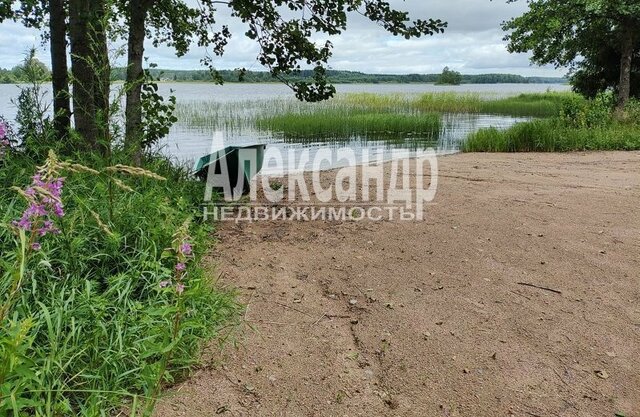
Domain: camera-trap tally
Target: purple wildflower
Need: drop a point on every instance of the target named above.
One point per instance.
(3, 131)
(43, 205)
(180, 288)
(55, 187)
(36, 246)
(165, 284)
(48, 227)
(36, 210)
(58, 209)
(186, 249)
(24, 223)
(180, 266)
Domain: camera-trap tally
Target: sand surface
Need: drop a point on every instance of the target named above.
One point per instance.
(432, 318)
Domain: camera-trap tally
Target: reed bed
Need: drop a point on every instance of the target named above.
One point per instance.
(552, 135)
(377, 102)
(399, 113)
(335, 123)
(534, 105)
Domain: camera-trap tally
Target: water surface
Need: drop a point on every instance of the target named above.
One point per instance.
(186, 143)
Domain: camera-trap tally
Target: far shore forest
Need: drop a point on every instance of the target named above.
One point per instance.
(17, 75)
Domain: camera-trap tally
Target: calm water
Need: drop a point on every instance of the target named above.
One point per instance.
(187, 143)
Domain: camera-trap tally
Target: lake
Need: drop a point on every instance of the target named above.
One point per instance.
(187, 142)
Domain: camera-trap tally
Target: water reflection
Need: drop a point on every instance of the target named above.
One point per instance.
(188, 144)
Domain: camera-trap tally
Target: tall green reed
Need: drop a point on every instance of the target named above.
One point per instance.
(289, 116)
(553, 136)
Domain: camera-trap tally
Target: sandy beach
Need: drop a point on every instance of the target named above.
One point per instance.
(518, 295)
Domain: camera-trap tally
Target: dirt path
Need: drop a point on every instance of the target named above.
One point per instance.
(440, 325)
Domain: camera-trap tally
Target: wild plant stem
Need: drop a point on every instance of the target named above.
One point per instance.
(165, 359)
(110, 199)
(18, 276)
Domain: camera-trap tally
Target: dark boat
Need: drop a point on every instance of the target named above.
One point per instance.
(232, 155)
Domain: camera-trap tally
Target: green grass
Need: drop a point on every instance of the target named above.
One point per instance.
(90, 327)
(237, 116)
(396, 103)
(336, 123)
(373, 115)
(553, 135)
(534, 105)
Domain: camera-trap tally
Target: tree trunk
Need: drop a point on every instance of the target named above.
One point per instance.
(59, 71)
(90, 70)
(84, 111)
(626, 59)
(135, 78)
(102, 73)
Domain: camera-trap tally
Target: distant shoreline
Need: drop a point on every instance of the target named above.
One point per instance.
(332, 82)
(350, 83)
(337, 77)
(333, 76)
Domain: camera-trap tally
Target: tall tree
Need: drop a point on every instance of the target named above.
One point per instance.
(137, 13)
(90, 70)
(59, 70)
(449, 77)
(286, 43)
(32, 13)
(574, 33)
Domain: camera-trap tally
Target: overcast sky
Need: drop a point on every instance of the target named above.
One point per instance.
(472, 44)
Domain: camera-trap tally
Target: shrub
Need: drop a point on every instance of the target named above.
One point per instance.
(579, 113)
(633, 112)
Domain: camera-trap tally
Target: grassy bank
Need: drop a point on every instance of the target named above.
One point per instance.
(580, 125)
(103, 296)
(534, 105)
(335, 124)
(553, 136)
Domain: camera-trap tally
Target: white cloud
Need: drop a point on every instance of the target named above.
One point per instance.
(471, 44)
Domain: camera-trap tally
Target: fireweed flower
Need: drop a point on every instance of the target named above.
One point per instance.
(45, 203)
(183, 252)
(180, 288)
(186, 249)
(44, 197)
